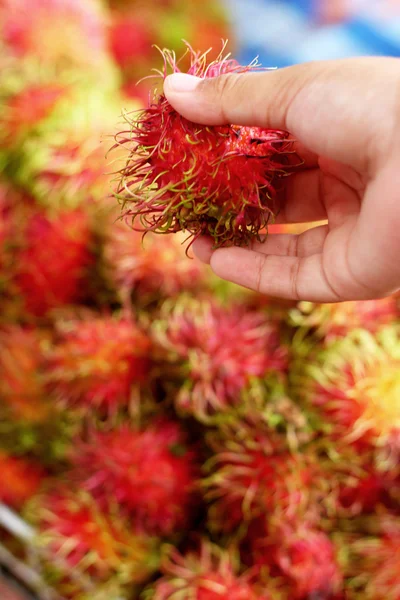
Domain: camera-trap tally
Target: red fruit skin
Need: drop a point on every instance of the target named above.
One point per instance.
(52, 265)
(35, 33)
(307, 558)
(354, 385)
(72, 171)
(209, 573)
(20, 480)
(330, 322)
(222, 351)
(151, 267)
(130, 41)
(77, 535)
(22, 389)
(252, 483)
(97, 362)
(27, 109)
(378, 558)
(151, 473)
(231, 176)
(303, 556)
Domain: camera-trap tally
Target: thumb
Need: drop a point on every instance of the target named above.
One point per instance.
(334, 108)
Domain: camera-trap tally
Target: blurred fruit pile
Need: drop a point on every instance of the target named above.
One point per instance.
(164, 435)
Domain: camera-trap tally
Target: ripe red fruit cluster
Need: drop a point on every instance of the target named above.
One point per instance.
(167, 435)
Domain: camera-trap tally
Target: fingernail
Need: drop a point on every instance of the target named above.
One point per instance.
(181, 82)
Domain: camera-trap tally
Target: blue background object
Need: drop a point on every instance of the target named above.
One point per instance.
(285, 32)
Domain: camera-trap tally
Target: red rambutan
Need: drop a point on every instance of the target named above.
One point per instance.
(130, 40)
(156, 266)
(302, 556)
(150, 473)
(57, 32)
(86, 547)
(22, 391)
(52, 264)
(207, 574)
(377, 560)
(20, 479)
(220, 352)
(332, 321)
(64, 174)
(220, 181)
(248, 480)
(354, 387)
(26, 109)
(97, 362)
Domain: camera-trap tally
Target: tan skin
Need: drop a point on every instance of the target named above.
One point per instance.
(346, 117)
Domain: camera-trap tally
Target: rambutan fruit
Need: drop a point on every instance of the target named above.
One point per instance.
(58, 33)
(375, 562)
(64, 175)
(66, 167)
(220, 181)
(31, 422)
(220, 353)
(51, 266)
(247, 479)
(208, 573)
(353, 386)
(20, 479)
(151, 268)
(98, 362)
(24, 110)
(22, 389)
(130, 40)
(332, 321)
(302, 556)
(84, 547)
(151, 474)
(279, 423)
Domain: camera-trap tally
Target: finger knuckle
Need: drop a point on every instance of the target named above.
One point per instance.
(293, 245)
(260, 268)
(294, 271)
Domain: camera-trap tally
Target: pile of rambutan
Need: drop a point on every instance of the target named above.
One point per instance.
(164, 435)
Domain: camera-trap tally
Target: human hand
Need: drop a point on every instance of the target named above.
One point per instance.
(345, 115)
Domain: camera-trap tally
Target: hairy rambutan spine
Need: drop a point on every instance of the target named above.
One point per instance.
(85, 548)
(53, 259)
(147, 269)
(333, 321)
(99, 362)
(248, 478)
(208, 573)
(220, 181)
(151, 473)
(221, 354)
(354, 387)
(301, 555)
